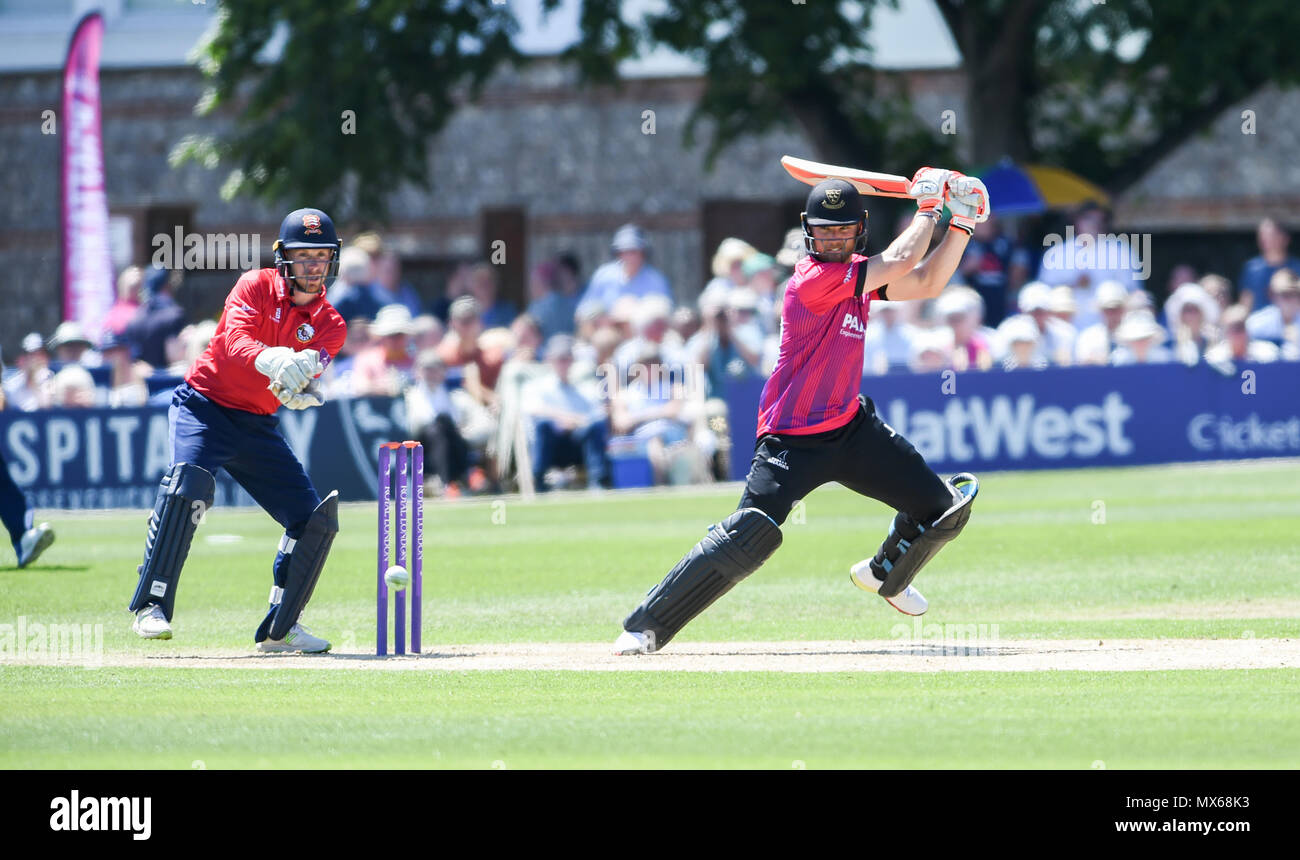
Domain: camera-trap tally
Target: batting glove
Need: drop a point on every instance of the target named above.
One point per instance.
(928, 186)
(968, 201)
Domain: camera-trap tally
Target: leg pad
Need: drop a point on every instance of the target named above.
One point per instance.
(731, 551)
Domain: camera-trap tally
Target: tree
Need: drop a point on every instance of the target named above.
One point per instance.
(1102, 88)
(1105, 89)
(772, 64)
(400, 68)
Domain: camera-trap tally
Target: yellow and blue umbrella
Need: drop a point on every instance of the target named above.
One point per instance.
(1027, 189)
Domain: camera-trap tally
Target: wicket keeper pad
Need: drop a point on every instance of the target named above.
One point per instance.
(910, 545)
(731, 551)
(307, 560)
(184, 496)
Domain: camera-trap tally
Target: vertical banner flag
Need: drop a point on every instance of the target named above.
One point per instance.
(87, 270)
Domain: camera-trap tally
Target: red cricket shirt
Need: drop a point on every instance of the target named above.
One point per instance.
(259, 314)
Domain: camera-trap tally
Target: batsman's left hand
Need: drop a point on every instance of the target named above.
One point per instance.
(927, 187)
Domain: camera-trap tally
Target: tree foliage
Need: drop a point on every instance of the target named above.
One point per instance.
(773, 64)
(1102, 88)
(400, 66)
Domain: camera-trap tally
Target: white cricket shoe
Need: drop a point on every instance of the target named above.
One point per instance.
(909, 601)
(630, 642)
(150, 623)
(34, 541)
(298, 638)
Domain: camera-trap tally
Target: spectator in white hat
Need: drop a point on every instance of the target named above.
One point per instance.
(74, 388)
(728, 268)
(1055, 338)
(1022, 344)
(1095, 343)
(1141, 340)
(386, 367)
(70, 345)
(932, 351)
(958, 308)
(1192, 314)
(628, 274)
(1061, 304)
(31, 387)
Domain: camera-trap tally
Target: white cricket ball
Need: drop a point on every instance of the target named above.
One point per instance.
(397, 577)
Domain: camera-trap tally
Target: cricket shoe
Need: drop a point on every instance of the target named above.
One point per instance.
(150, 623)
(298, 638)
(33, 542)
(631, 642)
(909, 601)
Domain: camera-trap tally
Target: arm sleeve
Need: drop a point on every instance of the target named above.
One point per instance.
(822, 286)
(243, 319)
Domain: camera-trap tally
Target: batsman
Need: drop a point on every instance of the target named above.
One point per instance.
(277, 333)
(815, 427)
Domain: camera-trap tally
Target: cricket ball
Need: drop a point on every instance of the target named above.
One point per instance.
(397, 577)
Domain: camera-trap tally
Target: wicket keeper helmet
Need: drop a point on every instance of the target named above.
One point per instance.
(307, 228)
(834, 203)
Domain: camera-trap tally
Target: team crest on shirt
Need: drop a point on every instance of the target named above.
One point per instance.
(834, 199)
(306, 332)
(312, 224)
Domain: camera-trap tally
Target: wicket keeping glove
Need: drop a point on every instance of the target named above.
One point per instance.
(288, 369)
(305, 399)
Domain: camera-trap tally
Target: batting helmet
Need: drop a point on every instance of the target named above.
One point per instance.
(834, 203)
(307, 228)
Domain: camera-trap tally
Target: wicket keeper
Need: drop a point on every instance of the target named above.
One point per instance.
(277, 333)
(814, 426)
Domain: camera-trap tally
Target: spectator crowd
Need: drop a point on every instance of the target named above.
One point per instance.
(615, 373)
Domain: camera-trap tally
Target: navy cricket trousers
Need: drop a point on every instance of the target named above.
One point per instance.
(250, 448)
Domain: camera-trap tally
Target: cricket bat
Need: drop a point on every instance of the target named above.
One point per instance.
(877, 184)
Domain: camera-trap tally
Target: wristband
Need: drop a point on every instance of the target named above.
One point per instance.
(932, 214)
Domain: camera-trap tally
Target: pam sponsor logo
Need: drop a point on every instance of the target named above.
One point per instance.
(64, 643)
(201, 251)
(1015, 427)
(130, 814)
(1209, 432)
(947, 640)
(1113, 251)
(852, 326)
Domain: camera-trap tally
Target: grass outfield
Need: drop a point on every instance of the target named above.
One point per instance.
(1144, 553)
